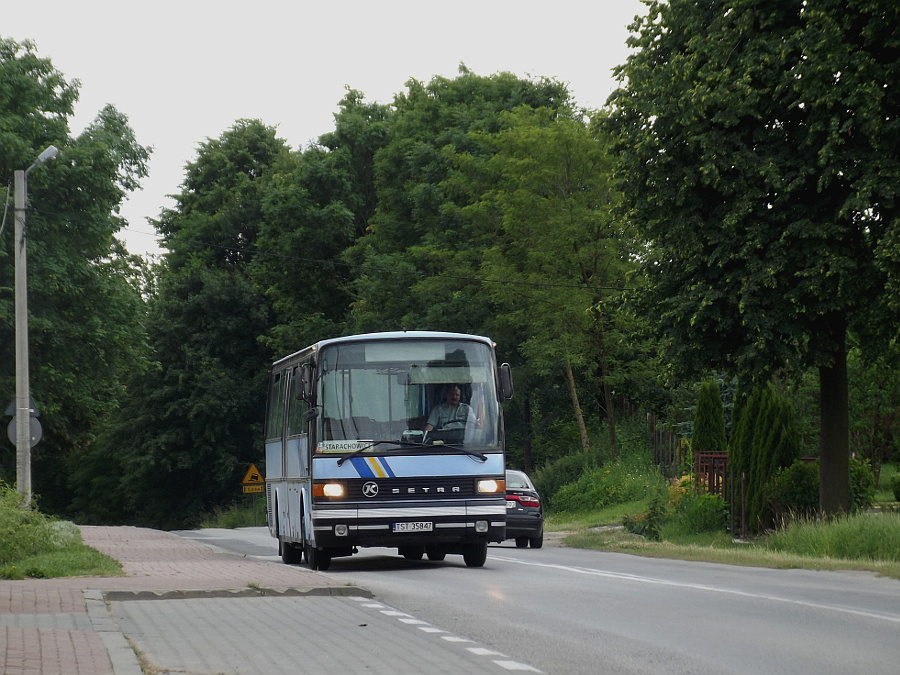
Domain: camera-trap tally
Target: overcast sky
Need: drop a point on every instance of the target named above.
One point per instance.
(184, 71)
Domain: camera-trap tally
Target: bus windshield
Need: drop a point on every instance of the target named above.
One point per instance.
(397, 394)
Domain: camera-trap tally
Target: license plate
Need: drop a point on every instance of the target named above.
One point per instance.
(417, 526)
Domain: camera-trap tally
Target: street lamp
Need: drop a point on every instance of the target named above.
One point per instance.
(23, 396)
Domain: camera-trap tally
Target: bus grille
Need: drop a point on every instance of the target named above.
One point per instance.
(425, 487)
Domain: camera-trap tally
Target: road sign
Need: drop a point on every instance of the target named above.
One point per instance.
(33, 409)
(35, 431)
(253, 477)
(253, 488)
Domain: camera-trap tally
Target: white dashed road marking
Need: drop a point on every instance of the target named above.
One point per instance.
(498, 658)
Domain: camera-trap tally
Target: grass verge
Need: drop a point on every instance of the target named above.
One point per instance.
(33, 545)
(866, 542)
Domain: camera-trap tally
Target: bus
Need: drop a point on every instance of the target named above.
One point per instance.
(387, 440)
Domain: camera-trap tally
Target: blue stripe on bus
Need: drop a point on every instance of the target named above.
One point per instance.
(372, 467)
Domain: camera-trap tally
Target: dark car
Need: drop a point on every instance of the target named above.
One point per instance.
(524, 513)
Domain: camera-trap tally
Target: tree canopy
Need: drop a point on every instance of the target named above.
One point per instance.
(86, 314)
(759, 154)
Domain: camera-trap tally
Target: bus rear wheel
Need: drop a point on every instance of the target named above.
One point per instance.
(475, 555)
(317, 558)
(290, 554)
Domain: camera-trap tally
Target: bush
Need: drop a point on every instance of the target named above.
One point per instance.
(634, 446)
(616, 482)
(551, 478)
(701, 513)
(862, 484)
(895, 486)
(25, 532)
(647, 524)
(795, 490)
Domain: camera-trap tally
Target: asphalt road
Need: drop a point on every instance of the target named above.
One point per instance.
(564, 610)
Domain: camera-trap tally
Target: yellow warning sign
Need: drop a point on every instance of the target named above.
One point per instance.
(253, 488)
(253, 476)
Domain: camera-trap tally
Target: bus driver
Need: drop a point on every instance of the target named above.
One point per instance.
(452, 414)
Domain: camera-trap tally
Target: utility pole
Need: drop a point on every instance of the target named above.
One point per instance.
(23, 395)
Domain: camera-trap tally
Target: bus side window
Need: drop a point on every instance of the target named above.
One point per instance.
(275, 412)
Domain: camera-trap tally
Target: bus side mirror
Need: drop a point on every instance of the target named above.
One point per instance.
(506, 382)
(304, 382)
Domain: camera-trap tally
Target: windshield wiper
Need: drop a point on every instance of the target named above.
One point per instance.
(456, 446)
(409, 444)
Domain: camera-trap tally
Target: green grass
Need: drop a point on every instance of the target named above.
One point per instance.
(33, 545)
(75, 560)
(865, 542)
(248, 512)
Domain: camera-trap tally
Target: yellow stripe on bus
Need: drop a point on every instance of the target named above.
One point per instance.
(376, 467)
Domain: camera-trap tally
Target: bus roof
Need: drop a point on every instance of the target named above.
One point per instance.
(390, 335)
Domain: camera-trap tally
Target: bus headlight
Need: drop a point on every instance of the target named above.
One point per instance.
(490, 486)
(330, 490)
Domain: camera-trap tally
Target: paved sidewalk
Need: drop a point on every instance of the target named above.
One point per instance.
(66, 626)
(190, 608)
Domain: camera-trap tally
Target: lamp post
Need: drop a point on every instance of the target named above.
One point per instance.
(23, 396)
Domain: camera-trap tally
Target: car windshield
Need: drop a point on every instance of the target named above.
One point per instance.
(398, 395)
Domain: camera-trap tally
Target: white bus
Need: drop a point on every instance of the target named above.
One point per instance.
(387, 440)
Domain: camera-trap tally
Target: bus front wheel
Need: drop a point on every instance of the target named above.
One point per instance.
(475, 554)
(317, 558)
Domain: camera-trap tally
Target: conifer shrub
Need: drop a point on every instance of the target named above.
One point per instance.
(765, 441)
(709, 420)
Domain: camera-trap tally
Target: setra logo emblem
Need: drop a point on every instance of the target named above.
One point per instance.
(370, 489)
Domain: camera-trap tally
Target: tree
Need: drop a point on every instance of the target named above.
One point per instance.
(418, 260)
(555, 259)
(758, 147)
(190, 427)
(86, 314)
(192, 424)
(317, 204)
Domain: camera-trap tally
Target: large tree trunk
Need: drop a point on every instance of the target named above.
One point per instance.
(834, 442)
(570, 379)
